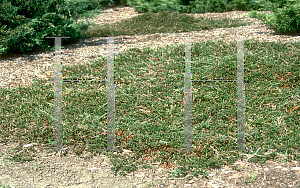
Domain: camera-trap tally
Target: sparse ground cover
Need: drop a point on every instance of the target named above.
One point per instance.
(149, 101)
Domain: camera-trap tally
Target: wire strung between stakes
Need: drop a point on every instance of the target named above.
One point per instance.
(217, 80)
(110, 95)
(82, 80)
(188, 93)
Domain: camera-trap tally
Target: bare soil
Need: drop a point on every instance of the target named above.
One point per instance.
(66, 169)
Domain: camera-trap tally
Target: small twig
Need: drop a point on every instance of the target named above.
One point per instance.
(249, 149)
(220, 157)
(62, 151)
(253, 154)
(215, 151)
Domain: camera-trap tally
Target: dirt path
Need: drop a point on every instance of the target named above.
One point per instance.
(50, 169)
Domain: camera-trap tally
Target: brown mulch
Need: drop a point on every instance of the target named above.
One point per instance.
(46, 169)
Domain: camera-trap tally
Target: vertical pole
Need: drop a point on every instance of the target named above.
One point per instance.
(110, 94)
(240, 96)
(57, 94)
(188, 135)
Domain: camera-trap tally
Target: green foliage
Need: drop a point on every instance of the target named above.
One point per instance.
(25, 23)
(185, 2)
(269, 4)
(143, 6)
(9, 16)
(19, 39)
(237, 4)
(81, 6)
(285, 20)
(31, 35)
(286, 17)
(283, 3)
(56, 25)
(162, 22)
(202, 6)
(36, 8)
(107, 3)
(3, 41)
(246, 5)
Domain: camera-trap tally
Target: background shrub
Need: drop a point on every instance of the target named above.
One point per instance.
(25, 23)
(286, 16)
(198, 6)
(9, 15)
(36, 8)
(78, 7)
(144, 6)
(201, 6)
(285, 20)
(185, 2)
(271, 5)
